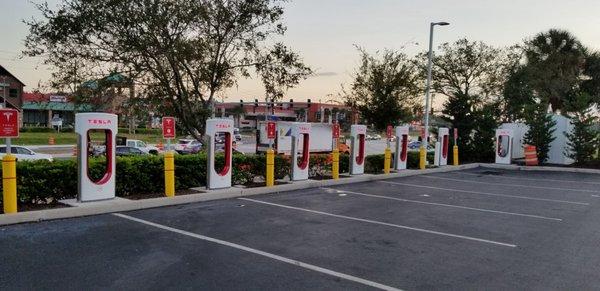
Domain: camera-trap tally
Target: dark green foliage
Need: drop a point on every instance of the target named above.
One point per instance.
(385, 88)
(541, 129)
(37, 129)
(48, 182)
(484, 132)
(476, 127)
(583, 141)
(517, 94)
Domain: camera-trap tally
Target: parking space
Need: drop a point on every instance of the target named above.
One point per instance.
(473, 229)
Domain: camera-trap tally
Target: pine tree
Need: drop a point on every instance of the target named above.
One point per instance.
(541, 129)
(583, 140)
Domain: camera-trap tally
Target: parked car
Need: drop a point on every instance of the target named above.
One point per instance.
(188, 146)
(129, 151)
(373, 137)
(136, 143)
(237, 135)
(25, 154)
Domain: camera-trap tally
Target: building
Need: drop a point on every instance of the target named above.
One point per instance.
(246, 114)
(47, 110)
(11, 89)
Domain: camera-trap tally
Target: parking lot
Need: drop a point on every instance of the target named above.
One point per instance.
(472, 229)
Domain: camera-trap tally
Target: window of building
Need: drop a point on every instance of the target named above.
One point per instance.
(35, 118)
(14, 93)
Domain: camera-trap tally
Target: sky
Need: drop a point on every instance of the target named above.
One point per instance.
(324, 33)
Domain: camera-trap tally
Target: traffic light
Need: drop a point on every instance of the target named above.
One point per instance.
(255, 102)
(308, 103)
(291, 103)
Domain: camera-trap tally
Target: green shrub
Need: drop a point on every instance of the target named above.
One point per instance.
(48, 182)
(37, 129)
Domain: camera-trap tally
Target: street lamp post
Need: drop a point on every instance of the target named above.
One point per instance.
(424, 142)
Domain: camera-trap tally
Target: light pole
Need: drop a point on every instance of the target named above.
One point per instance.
(424, 142)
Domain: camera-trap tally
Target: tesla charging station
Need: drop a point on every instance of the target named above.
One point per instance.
(219, 179)
(357, 155)
(444, 139)
(401, 148)
(504, 146)
(300, 132)
(88, 188)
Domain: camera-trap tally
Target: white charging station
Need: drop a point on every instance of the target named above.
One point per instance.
(300, 133)
(401, 154)
(358, 134)
(104, 188)
(444, 139)
(504, 146)
(222, 178)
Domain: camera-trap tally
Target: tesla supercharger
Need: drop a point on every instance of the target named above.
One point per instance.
(444, 139)
(217, 179)
(300, 134)
(357, 153)
(504, 146)
(401, 148)
(90, 189)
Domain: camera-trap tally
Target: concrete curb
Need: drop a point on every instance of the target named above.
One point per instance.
(540, 168)
(120, 205)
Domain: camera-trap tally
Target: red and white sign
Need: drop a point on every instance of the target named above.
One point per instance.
(271, 130)
(455, 133)
(9, 123)
(389, 131)
(168, 127)
(336, 130)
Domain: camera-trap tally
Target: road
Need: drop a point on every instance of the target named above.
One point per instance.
(476, 229)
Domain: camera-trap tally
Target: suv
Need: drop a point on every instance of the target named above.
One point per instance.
(142, 146)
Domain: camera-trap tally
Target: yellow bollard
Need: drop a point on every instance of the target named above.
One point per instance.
(335, 164)
(387, 160)
(169, 174)
(455, 156)
(270, 168)
(422, 157)
(9, 184)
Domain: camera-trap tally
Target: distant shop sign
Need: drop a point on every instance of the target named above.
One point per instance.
(58, 98)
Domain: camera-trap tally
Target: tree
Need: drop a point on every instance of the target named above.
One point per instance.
(476, 126)
(554, 64)
(468, 68)
(517, 94)
(582, 141)
(180, 52)
(484, 133)
(541, 129)
(385, 88)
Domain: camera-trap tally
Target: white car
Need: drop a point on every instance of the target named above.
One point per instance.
(25, 154)
(188, 146)
(142, 146)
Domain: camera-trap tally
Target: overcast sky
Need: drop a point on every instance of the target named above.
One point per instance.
(324, 32)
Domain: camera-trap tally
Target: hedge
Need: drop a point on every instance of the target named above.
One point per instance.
(48, 182)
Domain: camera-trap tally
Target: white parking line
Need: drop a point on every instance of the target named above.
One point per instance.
(510, 185)
(384, 223)
(525, 179)
(484, 193)
(262, 253)
(446, 205)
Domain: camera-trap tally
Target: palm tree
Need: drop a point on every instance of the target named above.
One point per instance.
(555, 61)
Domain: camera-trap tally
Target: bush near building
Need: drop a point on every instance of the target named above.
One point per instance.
(40, 182)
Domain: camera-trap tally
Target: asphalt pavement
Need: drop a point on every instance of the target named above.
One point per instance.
(476, 229)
